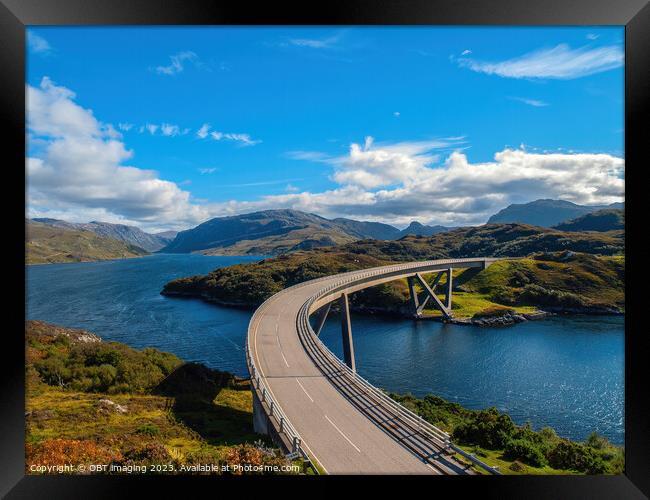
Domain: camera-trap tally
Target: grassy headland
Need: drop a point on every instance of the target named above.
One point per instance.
(95, 402)
(560, 272)
(47, 244)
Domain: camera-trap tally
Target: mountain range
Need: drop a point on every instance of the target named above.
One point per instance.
(546, 213)
(273, 232)
(121, 232)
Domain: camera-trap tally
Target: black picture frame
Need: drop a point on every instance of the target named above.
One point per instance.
(633, 14)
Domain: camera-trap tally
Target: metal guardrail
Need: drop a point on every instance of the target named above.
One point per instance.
(438, 436)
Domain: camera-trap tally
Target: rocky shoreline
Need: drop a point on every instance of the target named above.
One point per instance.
(506, 319)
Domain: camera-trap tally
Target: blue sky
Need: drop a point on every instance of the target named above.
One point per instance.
(166, 127)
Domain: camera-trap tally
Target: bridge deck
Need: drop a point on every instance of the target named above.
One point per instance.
(342, 428)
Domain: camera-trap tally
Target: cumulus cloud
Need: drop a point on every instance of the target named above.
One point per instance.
(80, 169)
(560, 62)
(177, 62)
(401, 182)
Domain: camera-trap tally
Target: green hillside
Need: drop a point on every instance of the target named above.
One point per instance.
(557, 275)
(602, 220)
(95, 402)
(46, 244)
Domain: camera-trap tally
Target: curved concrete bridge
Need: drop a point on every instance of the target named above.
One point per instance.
(315, 405)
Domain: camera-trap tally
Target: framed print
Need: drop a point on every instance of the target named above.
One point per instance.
(366, 241)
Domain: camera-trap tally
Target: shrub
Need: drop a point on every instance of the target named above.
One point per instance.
(148, 429)
(570, 455)
(488, 429)
(527, 452)
(535, 294)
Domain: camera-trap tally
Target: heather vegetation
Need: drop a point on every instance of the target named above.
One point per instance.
(516, 449)
(94, 402)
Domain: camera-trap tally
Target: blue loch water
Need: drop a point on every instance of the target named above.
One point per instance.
(566, 373)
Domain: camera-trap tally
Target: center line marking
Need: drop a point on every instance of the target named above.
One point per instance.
(285, 359)
(301, 386)
(346, 438)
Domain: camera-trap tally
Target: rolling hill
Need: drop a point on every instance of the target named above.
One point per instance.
(545, 213)
(608, 219)
(46, 244)
(128, 234)
(588, 265)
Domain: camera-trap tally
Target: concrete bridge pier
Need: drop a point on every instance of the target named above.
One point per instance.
(346, 333)
(429, 293)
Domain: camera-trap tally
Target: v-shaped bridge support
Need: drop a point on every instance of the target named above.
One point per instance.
(429, 293)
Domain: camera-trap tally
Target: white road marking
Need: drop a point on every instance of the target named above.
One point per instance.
(340, 432)
(259, 367)
(303, 389)
(285, 359)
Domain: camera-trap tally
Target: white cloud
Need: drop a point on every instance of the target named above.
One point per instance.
(456, 191)
(177, 63)
(290, 188)
(209, 170)
(396, 113)
(169, 130)
(531, 102)
(592, 36)
(80, 172)
(125, 127)
(151, 127)
(465, 52)
(308, 156)
(243, 139)
(317, 43)
(203, 131)
(560, 62)
(38, 44)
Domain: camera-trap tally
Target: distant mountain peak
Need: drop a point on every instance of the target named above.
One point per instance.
(545, 212)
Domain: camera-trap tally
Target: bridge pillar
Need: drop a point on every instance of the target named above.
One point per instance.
(415, 303)
(346, 332)
(322, 316)
(449, 289)
(260, 419)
